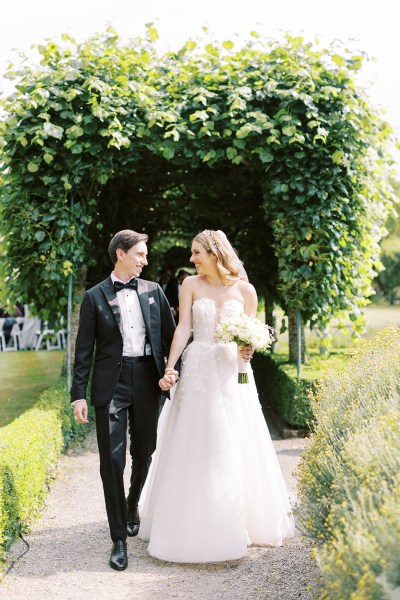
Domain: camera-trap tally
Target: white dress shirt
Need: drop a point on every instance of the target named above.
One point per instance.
(133, 327)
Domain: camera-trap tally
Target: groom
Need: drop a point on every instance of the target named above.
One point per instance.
(126, 325)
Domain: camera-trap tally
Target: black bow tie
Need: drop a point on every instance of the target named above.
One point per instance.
(118, 285)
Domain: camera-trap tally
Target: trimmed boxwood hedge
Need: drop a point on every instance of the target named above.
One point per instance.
(280, 389)
(29, 449)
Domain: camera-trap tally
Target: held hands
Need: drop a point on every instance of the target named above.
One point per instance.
(246, 352)
(170, 378)
(81, 411)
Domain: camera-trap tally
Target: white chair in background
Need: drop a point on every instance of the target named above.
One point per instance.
(2, 338)
(61, 336)
(49, 337)
(16, 336)
(14, 341)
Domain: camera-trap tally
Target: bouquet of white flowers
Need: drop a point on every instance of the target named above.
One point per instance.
(244, 331)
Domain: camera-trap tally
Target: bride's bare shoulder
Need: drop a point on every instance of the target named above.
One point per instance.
(194, 285)
(191, 282)
(246, 288)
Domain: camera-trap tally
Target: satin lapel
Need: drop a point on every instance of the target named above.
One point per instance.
(108, 290)
(144, 304)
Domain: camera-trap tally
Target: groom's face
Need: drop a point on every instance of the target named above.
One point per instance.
(133, 261)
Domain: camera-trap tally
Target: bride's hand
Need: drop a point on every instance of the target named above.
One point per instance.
(246, 352)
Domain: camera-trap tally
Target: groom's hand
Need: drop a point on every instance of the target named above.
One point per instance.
(81, 411)
(165, 384)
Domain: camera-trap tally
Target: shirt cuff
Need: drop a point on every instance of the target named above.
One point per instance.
(75, 401)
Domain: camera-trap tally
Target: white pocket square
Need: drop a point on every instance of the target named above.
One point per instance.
(151, 300)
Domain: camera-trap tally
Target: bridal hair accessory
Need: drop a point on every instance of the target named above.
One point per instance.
(214, 244)
(244, 331)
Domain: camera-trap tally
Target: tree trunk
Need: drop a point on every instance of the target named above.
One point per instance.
(291, 314)
(79, 290)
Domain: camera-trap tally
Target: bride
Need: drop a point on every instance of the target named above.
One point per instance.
(215, 485)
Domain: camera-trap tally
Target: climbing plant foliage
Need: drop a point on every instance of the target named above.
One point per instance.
(288, 115)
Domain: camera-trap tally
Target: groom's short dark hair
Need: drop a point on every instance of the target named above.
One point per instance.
(125, 239)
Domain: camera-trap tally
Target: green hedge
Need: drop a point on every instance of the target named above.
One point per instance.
(29, 449)
(349, 476)
(280, 389)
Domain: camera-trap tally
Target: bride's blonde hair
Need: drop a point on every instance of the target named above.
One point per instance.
(229, 266)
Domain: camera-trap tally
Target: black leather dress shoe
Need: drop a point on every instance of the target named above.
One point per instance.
(119, 556)
(132, 528)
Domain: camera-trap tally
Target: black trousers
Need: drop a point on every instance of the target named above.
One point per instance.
(136, 398)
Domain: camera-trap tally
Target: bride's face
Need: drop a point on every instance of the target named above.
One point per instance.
(202, 260)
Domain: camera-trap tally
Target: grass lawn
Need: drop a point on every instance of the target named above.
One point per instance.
(23, 376)
(379, 316)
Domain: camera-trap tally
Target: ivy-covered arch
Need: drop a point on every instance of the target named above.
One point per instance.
(276, 137)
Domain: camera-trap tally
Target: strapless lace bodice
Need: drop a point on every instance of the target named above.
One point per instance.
(206, 316)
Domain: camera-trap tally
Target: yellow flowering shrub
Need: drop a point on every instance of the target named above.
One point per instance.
(349, 476)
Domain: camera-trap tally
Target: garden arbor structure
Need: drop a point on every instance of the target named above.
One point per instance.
(273, 142)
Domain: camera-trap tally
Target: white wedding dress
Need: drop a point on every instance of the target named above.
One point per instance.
(215, 484)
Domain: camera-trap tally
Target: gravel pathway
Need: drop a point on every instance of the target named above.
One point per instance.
(70, 547)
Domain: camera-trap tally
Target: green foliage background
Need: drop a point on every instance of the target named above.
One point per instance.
(273, 142)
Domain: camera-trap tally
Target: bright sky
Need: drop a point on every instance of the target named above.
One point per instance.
(373, 24)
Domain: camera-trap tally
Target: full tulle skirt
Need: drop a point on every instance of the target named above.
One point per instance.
(215, 484)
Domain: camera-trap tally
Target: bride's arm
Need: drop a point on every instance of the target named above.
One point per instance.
(250, 300)
(183, 329)
(250, 308)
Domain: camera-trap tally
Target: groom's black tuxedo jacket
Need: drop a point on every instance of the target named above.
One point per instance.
(100, 328)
